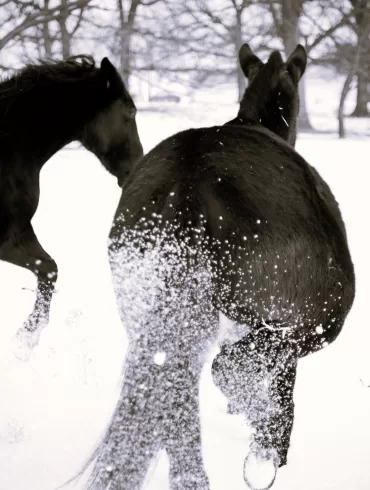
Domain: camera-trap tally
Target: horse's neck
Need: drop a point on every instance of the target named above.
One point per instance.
(289, 132)
(286, 121)
(33, 150)
(281, 121)
(32, 134)
(240, 120)
(286, 134)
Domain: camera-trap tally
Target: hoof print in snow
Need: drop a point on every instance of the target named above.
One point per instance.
(73, 317)
(12, 433)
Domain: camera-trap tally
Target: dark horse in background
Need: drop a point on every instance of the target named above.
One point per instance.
(227, 219)
(42, 109)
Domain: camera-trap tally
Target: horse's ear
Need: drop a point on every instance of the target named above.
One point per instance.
(297, 62)
(249, 62)
(110, 75)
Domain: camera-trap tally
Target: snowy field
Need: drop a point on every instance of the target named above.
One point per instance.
(54, 407)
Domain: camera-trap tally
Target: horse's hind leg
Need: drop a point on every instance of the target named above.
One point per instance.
(182, 437)
(158, 408)
(278, 356)
(134, 435)
(25, 250)
(257, 375)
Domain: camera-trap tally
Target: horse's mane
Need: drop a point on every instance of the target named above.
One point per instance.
(48, 72)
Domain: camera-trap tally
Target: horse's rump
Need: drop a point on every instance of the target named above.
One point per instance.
(250, 204)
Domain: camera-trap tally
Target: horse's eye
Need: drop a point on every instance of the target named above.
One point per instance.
(131, 112)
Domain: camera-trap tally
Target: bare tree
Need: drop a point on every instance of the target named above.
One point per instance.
(347, 42)
(228, 22)
(69, 24)
(324, 18)
(25, 15)
(127, 14)
(200, 39)
(362, 40)
(192, 42)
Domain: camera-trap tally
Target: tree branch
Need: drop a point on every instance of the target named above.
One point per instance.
(35, 18)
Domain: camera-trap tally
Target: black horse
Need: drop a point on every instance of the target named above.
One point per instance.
(224, 219)
(42, 109)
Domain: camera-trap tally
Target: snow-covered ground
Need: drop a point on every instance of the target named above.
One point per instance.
(54, 407)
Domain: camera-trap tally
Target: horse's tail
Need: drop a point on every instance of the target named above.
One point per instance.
(82, 472)
(96, 460)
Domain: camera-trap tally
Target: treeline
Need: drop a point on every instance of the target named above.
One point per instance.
(193, 41)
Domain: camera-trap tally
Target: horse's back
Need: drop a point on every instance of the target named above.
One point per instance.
(244, 179)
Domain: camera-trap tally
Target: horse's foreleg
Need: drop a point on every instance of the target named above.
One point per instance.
(24, 250)
(182, 436)
(134, 435)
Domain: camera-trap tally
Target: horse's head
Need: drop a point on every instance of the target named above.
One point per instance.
(112, 134)
(271, 97)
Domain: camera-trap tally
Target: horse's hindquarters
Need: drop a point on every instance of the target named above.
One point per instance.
(292, 285)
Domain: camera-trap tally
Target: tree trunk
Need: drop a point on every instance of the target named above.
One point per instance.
(362, 43)
(361, 109)
(125, 36)
(47, 41)
(343, 95)
(363, 79)
(125, 58)
(361, 14)
(303, 120)
(65, 37)
(124, 51)
(291, 11)
(354, 69)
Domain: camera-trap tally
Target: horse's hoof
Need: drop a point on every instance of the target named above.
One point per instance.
(24, 342)
(12, 433)
(260, 469)
(21, 351)
(190, 482)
